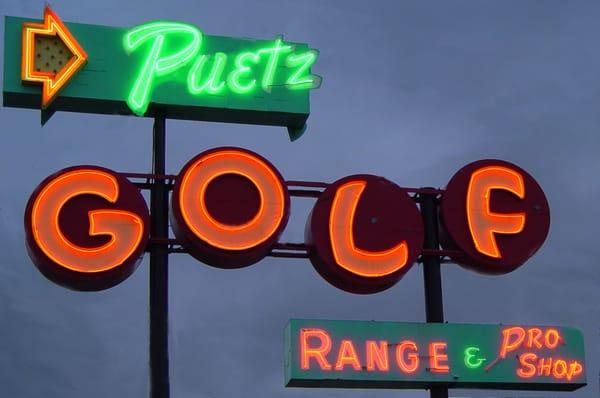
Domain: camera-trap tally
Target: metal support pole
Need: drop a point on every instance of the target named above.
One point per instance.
(159, 273)
(434, 307)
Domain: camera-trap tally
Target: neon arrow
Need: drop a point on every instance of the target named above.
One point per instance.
(52, 81)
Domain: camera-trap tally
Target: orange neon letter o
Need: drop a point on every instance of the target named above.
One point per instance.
(231, 237)
(209, 234)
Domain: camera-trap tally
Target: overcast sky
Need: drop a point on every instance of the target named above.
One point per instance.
(412, 91)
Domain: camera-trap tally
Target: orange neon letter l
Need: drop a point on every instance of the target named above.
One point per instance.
(483, 223)
(345, 252)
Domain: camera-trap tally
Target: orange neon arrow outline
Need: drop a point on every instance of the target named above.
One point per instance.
(52, 83)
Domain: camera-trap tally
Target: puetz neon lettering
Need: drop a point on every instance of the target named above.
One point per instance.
(319, 352)
(157, 63)
(239, 80)
(213, 83)
(274, 54)
(346, 254)
(483, 223)
(241, 73)
(124, 228)
(302, 79)
(196, 215)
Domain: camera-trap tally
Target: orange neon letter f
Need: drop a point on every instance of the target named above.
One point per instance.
(483, 223)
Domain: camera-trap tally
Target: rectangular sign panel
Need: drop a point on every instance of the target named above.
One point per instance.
(167, 67)
(362, 354)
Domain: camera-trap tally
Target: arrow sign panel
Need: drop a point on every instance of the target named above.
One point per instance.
(171, 68)
(35, 43)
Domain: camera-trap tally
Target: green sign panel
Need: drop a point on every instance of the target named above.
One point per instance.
(170, 68)
(359, 354)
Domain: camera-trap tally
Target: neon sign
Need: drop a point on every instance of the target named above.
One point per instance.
(483, 223)
(165, 67)
(365, 233)
(472, 359)
(165, 48)
(240, 179)
(345, 251)
(52, 80)
(533, 364)
(244, 72)
(86, 227)
(230, 206)
(323, 353)
(124, 228)
(503, 221)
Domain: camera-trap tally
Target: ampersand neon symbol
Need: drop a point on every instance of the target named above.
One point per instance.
(472, 358)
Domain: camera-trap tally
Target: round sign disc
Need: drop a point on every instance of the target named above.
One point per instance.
(496, 214)
(86, 227)
(365, 233)
(229, 207)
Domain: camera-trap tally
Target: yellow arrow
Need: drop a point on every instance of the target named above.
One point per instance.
(52, 81)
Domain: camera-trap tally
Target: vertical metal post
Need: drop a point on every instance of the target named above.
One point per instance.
(434, 307)
(159, 273)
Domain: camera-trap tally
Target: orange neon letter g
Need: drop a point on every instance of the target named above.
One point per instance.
(231, 237)
(412, 364)
(345, 252)
(124, 228)
(483, 223)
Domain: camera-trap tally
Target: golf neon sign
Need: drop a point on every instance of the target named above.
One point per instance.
(87, 227)
(171, 46)
(230, 205)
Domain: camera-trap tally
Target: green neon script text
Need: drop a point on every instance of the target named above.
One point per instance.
(172, 46)
(158, 62)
